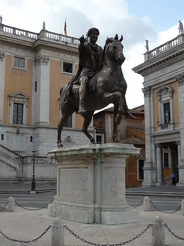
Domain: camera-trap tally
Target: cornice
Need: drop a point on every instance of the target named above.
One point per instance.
(39, 43)
(55, 46)
(15, 41)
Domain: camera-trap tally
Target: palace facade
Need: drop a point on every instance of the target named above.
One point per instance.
(163, 72)
(33, 68)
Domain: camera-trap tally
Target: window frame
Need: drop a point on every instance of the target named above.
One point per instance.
(19, 98)
(138, 175)
(73, 116)
(68, 123)
(18, 67)
(101, 135)
(18, 120)
(62, 67)
(165, 95)
(166, 151)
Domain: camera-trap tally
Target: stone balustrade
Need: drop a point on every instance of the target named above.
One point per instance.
(42, 34)
(10, 154)
(164, 47)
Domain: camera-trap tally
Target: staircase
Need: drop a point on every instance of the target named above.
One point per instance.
(10, 164)
(168, 180)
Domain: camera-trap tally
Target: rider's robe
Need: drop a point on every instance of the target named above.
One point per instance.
(90, 62)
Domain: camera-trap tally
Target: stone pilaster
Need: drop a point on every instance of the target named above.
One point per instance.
(148, 166)
(41, 97)
(2, 81)
(180, 79)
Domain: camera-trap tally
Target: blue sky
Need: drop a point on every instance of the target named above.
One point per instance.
(162, 14)
(138, 20)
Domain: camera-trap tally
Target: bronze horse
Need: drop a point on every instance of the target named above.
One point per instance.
(110, 87)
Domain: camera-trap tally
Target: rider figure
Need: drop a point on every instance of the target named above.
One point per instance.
(90, 63)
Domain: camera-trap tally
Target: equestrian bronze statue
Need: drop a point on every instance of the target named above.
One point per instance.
(98, 82)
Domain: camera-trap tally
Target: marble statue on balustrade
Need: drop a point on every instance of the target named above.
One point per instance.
(180, 27)
(147, 46)
(98, 82)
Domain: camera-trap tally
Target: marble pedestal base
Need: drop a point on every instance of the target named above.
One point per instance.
(91, 184)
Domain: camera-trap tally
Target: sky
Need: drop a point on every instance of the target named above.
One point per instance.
(137, 20)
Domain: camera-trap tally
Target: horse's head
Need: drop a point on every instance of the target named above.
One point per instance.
(114, 49)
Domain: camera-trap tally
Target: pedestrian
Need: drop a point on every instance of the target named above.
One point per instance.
(173, 179)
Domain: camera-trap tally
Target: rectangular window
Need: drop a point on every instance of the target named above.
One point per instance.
(166, 113)
(67, 67)
(2, 136)
(31, 138)
(166, 160)
(98, 139)
(68, 123)
(18, 113)
(35, 86)
(19, 62)
(141, 171)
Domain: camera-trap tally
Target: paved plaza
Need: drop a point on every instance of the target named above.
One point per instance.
(28, 225)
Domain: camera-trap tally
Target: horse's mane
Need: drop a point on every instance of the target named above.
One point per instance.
(110, 41)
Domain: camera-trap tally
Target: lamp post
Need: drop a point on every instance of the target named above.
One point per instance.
(33, 184)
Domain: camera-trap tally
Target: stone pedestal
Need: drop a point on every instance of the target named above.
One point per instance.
(91, 184)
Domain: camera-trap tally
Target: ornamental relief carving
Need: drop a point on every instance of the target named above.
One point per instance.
(2, 55)
(41, 59)
(180, 79)
(163, 91)
(147, 91)
(18, 71)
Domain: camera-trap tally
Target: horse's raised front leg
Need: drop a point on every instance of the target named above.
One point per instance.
(87, 121)
(117, 99)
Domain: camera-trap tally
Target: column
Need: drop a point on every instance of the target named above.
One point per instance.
(159, 165)
(148, 166)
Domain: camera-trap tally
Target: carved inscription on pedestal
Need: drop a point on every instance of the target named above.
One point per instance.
(74, 184)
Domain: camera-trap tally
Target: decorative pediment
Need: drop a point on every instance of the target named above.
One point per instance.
(165, 90)
(19, 95)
